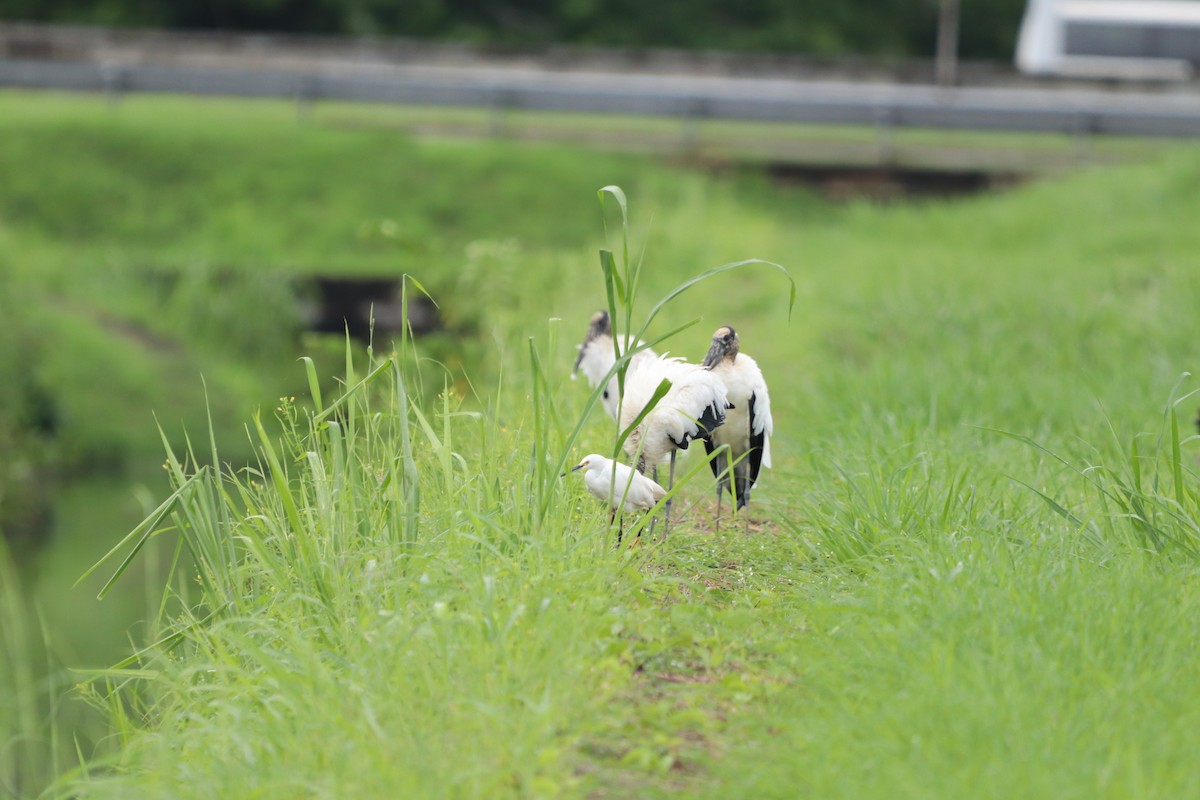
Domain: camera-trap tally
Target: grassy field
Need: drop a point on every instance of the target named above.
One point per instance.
(971, 572)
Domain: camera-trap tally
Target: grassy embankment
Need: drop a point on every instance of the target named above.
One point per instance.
(148, 246)
(447, 617)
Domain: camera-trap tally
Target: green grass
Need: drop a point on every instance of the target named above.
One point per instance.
(101, 204)
(27, 762)
(410, 603)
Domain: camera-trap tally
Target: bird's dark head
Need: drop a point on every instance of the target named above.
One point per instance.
(600, 323)
(724, 345)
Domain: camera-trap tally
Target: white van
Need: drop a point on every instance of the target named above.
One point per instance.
(1124, 39)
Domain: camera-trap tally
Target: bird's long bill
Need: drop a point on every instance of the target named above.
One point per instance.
(579, 359)
(598, 326)
(575, 468)
(591, 335)
(715, 354)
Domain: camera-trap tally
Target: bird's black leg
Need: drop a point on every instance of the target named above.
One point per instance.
(741, 484)
(667, 507)
(719, 493)
(722, 462)
(653, 520)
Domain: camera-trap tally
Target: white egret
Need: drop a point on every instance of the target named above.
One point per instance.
(596, 358)
(608, 480)
(748, 425)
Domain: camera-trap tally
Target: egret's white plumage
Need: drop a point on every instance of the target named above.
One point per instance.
(596, 358)
(599, 479)
(748, 425)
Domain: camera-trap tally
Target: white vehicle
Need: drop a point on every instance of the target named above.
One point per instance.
(1124, 39)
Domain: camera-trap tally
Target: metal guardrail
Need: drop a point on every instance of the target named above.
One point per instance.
(882, 105)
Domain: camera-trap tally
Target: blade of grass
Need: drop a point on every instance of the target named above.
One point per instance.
(144, 530)
(350, 393)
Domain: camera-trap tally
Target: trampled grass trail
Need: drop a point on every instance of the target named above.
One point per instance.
(971, 572)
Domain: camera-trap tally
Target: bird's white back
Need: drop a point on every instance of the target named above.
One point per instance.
(597, 358)
(694, 390)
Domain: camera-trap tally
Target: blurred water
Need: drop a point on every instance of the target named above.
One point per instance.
(91, 515)
(79, 632)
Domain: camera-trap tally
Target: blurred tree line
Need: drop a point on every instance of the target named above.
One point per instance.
(882, 28)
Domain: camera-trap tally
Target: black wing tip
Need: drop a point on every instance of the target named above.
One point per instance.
(758, 444)
(712, 418)
(709, 447)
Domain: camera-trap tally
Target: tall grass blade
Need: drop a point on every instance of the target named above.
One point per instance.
(1176, 461)
(1054, 505)
(140, 534)
(619, 195)
(614, 286)
(688, 284)
(411, 492)
(314, 385)
(279, 478)
(378, 370)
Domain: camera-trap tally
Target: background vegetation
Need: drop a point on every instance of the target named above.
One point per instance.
(408, 601)
(887, 28)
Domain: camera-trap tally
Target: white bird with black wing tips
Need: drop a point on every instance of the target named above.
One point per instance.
(596, 358)
(748, 425)
(693, 407)
(608, 480)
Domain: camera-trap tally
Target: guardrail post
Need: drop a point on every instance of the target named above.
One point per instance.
(306, 97)
(695, 111)
(947, 43)
(1083, 127)
(112, 76)
(885, 134)
(499, 104)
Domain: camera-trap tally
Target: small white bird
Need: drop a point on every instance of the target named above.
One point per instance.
(692, 408)
(596, 358)
(607, 480)
(748, 425)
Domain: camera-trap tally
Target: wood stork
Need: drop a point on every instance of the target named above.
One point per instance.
(692, 408)
(596, 358)
(748, 425)
(608, 480)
